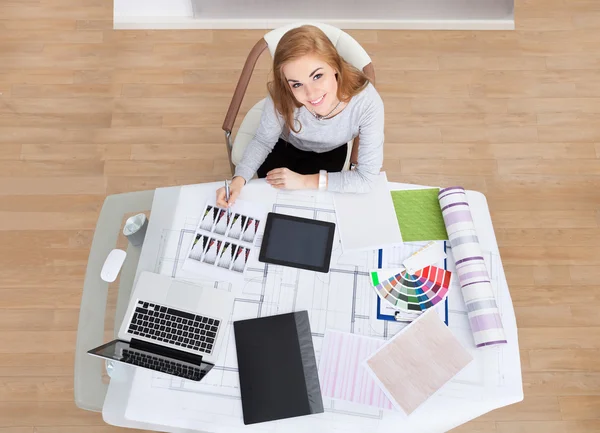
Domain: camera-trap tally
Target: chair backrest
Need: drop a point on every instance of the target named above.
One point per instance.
(350, 50)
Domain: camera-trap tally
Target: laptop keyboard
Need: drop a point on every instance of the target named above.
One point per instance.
(172, 326)
(162, 365)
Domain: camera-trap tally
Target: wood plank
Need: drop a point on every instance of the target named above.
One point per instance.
(160, 152)
(157, 135)
(476, 427)
(532, 408)
(554, 134)
(37, 24)
(37, 364)
(79, 106)
(476, 151)
(156, 76)
(37, 341)
(64, 90)
(524, 275)
(580, 407)
(96, 120)
(52, 203)
(161, 36)
(53, 185)
(549, 167)
(522, 63)
(10, 151)
(548, 426)
(27, 389)
(554, 105)
(51, 168)
(186, 168)
(401, 134)
(50, 317)
(46, 413)
(67, 297)
(548, 219)
(66, 152)
(573, 62)
(37, 76)
(553, 295)
(88, 429)
(48, 36)
(120, 184)
(515, 237)
(584, 274)
(458, 105)
(48, 220)
(561, 383)
(448, 167)
(569, 360)
(423, 83)
(514, 134)
(559, 338)
(46, 276)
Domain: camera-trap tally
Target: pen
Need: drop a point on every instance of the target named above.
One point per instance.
(227, 198)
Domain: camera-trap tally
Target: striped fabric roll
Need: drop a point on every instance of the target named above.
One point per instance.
(477, 291)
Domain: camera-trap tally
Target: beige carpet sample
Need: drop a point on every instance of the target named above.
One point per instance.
(418, 361)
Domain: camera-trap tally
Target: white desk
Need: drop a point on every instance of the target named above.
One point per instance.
(449, 411)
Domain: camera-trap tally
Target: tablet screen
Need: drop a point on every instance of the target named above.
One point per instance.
(297, 242)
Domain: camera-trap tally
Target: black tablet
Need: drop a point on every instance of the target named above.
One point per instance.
(297, 242)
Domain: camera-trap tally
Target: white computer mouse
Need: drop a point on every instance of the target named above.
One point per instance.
(112, 265)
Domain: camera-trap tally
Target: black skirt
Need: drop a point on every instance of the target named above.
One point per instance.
(285, 155)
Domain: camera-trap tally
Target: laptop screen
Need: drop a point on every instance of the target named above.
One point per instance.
(121, 351)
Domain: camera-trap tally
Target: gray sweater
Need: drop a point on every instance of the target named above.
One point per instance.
(363, 116)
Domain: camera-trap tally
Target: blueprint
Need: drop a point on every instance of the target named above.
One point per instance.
(342, 300)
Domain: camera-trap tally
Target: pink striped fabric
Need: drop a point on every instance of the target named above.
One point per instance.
(342, 374)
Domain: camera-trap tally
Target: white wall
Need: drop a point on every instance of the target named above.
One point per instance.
(153, 8)
(345, 14)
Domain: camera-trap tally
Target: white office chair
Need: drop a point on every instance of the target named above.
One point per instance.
(349, 49)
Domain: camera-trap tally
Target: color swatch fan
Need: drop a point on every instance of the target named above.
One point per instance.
(413, 292)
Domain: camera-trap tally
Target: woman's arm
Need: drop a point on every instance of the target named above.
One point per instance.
(370, 152)
(265, 138)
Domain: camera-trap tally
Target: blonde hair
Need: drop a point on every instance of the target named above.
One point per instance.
(300, 42)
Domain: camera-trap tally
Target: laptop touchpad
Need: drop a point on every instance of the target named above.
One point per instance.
(184, 296)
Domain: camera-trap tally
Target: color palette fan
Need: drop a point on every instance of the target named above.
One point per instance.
(413, 292)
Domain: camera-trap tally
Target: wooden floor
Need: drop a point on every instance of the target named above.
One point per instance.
(86, 111)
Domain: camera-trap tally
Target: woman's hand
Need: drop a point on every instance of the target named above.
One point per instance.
(235, 187)
(284, 178)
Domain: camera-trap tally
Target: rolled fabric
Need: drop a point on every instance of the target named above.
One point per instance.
(482, 310)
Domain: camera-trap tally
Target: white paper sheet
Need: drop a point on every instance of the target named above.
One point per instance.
(367, 221)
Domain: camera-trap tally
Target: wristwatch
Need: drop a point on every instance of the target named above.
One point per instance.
(322, 180)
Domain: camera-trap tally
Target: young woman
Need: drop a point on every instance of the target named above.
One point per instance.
(317, 103)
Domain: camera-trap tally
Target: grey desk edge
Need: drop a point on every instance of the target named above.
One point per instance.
(89, 389)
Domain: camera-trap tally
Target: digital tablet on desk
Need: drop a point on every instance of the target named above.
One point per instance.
(297, 242)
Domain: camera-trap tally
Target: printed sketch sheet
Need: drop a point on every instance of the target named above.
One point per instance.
(342, 300)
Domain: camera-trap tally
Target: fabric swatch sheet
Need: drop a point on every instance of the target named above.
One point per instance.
(417, 362)
(419, 215)
(222, 243)
(342, 373)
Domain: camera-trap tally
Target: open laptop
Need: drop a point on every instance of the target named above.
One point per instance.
(171, 326)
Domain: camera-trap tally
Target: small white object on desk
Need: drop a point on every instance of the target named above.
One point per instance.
(112, 265)
(429, 255)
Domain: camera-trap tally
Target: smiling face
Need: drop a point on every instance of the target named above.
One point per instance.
(313, 83)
